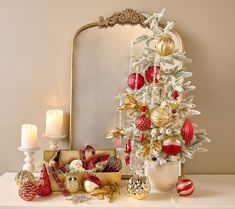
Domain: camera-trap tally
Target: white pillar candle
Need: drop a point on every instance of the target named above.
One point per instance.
(54, 123)
(28, 136)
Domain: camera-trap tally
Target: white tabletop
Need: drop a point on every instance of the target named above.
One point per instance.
(211, 191)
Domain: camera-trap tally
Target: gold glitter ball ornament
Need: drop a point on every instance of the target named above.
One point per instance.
(138, 187)
(160, 117)
(165, 45)
(24, 176)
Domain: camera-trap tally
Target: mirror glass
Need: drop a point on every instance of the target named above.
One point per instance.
(100, 72)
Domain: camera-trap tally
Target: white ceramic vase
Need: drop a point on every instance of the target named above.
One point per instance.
(162, 178)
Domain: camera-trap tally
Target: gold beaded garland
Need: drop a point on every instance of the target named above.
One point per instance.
(165, 45)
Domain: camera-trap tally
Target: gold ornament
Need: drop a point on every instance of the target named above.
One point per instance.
(160, 117)
(115, 133)
(130, 103)
(165, 45)
(174, 104)
(24, 176)
(138, 187)
(71, 183)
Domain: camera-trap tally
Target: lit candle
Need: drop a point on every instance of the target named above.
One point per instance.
(54, 123)
(28, 136)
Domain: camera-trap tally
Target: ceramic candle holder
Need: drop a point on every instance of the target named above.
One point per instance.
(28, 160)
(53, 141)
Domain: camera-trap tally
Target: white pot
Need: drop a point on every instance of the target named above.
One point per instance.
(162, 177)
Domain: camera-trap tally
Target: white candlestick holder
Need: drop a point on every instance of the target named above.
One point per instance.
(28, 160)
(53, 141)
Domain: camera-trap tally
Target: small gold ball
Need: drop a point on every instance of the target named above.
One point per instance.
(160, 117)
(165, 45)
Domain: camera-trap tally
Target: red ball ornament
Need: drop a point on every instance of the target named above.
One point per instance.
(131, 81)
(28, 190)
(143, 123)
(171, 145)
(149, 73)
(184, 187)
(187, 131)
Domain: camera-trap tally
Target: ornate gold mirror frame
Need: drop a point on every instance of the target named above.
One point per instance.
(124, 17)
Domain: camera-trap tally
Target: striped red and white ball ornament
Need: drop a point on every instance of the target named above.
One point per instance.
(184, 187)
(28, 190)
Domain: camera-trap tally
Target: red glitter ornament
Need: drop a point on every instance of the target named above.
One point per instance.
(187, 131)
(149, 73)
(143, 123)
(44, 185)
(127, 159)
(28, 190)
(128, 147)
(175, 95)
(131, 81)
(171, 146)
(184, 187)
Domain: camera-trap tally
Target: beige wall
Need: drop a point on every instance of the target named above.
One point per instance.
(35, 42)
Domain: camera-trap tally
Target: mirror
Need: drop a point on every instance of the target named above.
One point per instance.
(100, 66)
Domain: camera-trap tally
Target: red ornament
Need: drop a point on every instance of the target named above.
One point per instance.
(127, 159)
(174, 111)
(141, 138)
(175, 95)
(171, 146)
(131, 81)
(149, 73)
(143, 123)
(28, 190)
(187, 131)
(91, 183)
(184, 187)
(44, 185)
(128, 147)
(144, 109)
(95, 160)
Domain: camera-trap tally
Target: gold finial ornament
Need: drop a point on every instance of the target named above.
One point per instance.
(165, 45)
(160, 117)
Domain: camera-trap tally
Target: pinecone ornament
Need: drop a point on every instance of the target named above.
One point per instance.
(28, 190)
(114, 164)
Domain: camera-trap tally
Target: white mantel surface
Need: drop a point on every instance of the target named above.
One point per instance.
(211, 191)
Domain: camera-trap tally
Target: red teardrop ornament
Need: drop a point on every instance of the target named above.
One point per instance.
(187, 131)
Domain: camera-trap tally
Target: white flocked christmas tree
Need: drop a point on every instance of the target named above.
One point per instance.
(157, 103)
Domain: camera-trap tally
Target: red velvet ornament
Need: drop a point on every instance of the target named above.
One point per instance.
(175, 95)
(149, 73)
(131, 81)
(184, 187)
(187, 131)
(143, 123)
(171, 146)
(44, 185)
